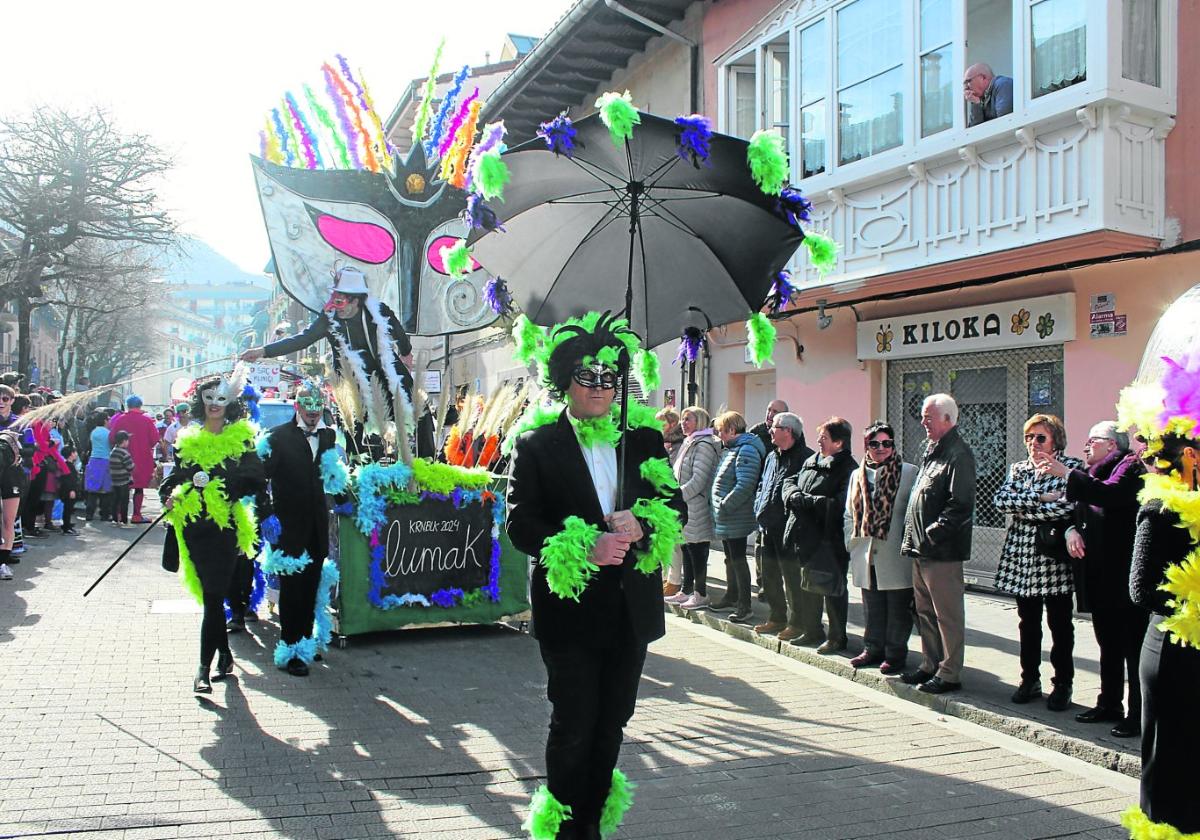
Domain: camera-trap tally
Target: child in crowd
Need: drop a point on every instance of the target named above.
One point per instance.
(68, 489)
(120, 470)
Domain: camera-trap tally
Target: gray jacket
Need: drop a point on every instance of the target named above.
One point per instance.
(941, 510)
(892, 571)
(695, 468)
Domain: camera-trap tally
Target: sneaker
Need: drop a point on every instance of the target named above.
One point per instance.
(70, 532)
(726, 603)
(17, 552)
(5, 572)
(140, 520)
(678, 598)
(695, 602)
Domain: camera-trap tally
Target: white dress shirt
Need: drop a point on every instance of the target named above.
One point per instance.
(312, 440)
(601, 460)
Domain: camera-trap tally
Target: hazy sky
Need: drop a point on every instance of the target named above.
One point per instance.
(199, 77)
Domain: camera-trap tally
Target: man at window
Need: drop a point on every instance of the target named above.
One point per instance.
(988, 95)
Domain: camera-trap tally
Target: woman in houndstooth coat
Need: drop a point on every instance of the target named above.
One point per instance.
(1036, 579)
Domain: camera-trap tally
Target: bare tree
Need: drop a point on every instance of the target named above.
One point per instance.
(66, 179)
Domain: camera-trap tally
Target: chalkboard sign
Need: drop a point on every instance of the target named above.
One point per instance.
(434, 547)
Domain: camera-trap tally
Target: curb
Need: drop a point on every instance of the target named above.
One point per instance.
(1125, 763)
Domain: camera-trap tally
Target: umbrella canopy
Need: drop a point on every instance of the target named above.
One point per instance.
(580, 230)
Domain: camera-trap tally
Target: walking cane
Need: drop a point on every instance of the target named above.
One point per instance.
(123, 553)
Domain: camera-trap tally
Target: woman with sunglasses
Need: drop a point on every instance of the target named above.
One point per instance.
(874, 528)
(1039, 575)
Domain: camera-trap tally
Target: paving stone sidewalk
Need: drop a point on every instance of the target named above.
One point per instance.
(439, 733)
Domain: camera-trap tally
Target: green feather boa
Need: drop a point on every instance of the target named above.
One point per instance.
(666, 534)
(546, 814)
(768, 161)
(565, 558)
(197, 445)
(618, 115)
(527, 336)
(444, 479)
(761, 336)
(491, 174)
(590, 432)
(616, 804)
(1140, 827)
(658, 472)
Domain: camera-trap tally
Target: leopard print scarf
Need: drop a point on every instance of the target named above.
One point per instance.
(872, 512)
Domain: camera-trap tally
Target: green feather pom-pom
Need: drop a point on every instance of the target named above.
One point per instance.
(768, 161)
(565, 558)
(666, 534)
(546, 814)
(761, 334)
(491, 174)
(457, 258)
(657, 472)
(822, 251)
(527, 336)
(608, 356)
(646, 369)
(618, 115)
(641, 416)
(617, 803)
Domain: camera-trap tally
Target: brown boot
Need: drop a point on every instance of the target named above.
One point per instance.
(770, 627)
(789, 633)
(670, 589)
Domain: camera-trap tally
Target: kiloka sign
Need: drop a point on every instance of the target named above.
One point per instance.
(998, 326)
(433, 545)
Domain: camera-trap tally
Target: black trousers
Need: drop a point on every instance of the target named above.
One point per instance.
(781, 582)
(298, 599)
(1058, 610)
(212, 628)
(242, 585)
(695, 567)
(889, 622)
(103, 501)
(1170, 675)
(1120, 630)
(120, 511)
(737, 571)
(31, 502)
(593, 692)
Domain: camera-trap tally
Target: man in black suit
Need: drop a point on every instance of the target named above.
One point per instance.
(301, 461)
(594, 609)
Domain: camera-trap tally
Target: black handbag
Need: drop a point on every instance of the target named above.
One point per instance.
(170, 555)
(820, 572)
(1050, 539)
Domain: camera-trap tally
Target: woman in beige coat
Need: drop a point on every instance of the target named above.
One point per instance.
(695, 467)
(874, 527)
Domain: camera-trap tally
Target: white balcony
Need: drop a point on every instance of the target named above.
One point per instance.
(1077, 168)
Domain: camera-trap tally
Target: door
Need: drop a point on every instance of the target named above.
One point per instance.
(760, 391)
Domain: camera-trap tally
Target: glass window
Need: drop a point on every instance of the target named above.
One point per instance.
(937, 67)
(1059, 45)
(814, 87)
(741, 101)
(777, 88)
(870, 78)
(1139, 41)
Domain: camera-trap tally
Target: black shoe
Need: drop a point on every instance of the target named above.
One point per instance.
(224, 664)
(297, 668)
(1060, 698)
(1100, 714)
(726, 603)
(937, 685)
(236, 623)
(37, 533)
(1027, 690)
(830, 646)
(742, 614)
(69, 532)
(917, 677)
(1128, 728)
(807, 640)
(251, 617)
(202, 684)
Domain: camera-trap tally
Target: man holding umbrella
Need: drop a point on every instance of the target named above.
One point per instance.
(596, 583)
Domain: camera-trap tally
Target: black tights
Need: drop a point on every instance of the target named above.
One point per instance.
(212, 628)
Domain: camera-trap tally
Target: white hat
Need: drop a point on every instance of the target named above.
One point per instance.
(350, 281)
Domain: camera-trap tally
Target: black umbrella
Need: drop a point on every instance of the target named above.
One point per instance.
(636, 229)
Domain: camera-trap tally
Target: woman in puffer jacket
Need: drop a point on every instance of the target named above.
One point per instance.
(733, 507)
(695, 467)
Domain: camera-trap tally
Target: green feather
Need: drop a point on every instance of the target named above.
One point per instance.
(822, 251)
(768, 161)
(657, 472)
(457, 258)
(527, 336)
(491, 174)
(546, 814)
(565, 556)
(619, 115)
(444, 479)
(418, 129)
(641, 416)
(666, 534)
(646, 369)
(616, 804)
(608, 356)
(761, 334)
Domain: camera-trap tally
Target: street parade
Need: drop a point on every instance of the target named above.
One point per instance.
(620, 441)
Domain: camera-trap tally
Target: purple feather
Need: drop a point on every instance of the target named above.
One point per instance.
(1181, 381)
(479, 215)
(694, 137)
(690, 344)
(559, 135)
(792, 206)
(495, 292)
(782, 291)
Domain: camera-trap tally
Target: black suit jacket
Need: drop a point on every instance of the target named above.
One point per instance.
(297, 490)
(549, 481)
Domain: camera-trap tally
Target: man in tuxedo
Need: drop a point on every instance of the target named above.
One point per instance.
(564, 509)
(299, 457)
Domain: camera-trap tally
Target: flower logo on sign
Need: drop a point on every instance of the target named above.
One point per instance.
(1045, 325)
(1020, 322)
(883, 340)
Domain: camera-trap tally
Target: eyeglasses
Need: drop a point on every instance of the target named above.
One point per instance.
(967, 81)
(1039, 437)
(5, 398)
(591, 378)
(1092, 441)
(881, 444)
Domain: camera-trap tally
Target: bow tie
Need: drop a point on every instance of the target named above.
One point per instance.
(313, 433)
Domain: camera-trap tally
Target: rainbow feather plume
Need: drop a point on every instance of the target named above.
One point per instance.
(426, 106)
(446, 108)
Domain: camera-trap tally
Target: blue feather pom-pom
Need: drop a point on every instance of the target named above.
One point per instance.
(792, 206)
(559, 135)
(694, 138)
(479, 215)
(496, 293)
(271, 529)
